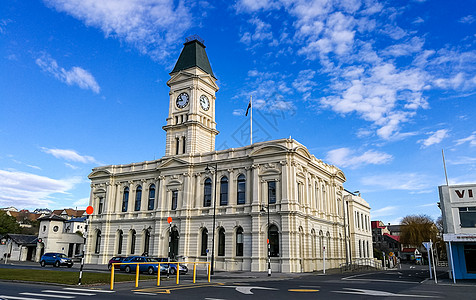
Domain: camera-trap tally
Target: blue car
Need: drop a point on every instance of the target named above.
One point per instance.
(149, 268)
(56, 259)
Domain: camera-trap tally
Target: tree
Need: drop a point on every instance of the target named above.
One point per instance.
(417, 229)
(8, 224)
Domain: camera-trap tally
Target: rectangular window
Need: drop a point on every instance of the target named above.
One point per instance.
(101, 204)
(467, 216)
(271, 192)
(239, 244)
(470, 258)
(174, 199)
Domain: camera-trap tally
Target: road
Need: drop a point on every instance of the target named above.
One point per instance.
(393, 284)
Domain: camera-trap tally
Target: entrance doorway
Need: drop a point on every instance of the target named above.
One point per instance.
(470, 258)
(174, 243)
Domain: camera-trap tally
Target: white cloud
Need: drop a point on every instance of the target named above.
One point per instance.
(304, 82)
(239, 112)
(398, 181)
(469, 19)
(435, 138)
(261, 33)
(385, 211)
(81, 203)
(470, 139)
(153, 27)
(345, 157)
(30, 190)
(75, 76)
(70, 155)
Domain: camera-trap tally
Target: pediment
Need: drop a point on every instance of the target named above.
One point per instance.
(269, 150)
(99, 173)
(303, 151)
(173, 162)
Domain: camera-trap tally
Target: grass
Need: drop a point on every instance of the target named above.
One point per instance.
(61, 277)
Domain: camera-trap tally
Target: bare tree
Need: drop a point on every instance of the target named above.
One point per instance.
(417, 229)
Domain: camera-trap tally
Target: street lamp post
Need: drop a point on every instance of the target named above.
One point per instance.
(207, 169)
(267, 240)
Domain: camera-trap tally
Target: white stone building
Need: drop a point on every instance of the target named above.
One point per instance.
(301, 195)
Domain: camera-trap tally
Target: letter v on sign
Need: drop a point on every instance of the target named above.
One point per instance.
(460, 193)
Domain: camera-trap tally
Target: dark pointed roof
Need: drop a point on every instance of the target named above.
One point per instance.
(193, 55)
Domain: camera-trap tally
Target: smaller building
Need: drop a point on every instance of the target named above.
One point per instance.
(385, 240)
(57, 234)
(458, 207)
(18, 247)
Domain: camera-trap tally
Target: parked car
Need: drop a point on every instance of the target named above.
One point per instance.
(115, 259)
(173, 267)
(149, 268)
(56, 259)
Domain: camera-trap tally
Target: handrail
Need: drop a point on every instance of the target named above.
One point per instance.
(158, 270)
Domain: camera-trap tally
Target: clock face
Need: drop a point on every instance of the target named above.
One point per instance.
(204, 102)
(182, 100)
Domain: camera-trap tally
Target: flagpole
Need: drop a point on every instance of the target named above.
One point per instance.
(251, 120)
(444, 166)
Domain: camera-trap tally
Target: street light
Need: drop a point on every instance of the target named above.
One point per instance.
(267, 240)
(207, 170)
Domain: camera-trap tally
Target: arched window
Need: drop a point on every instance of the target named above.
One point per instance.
(146, 242)
(119, 241)
(207, 193)
(241, 189)
(328, 245)
(271, 192)
(224, 191)
(221, 242)
(204, 247)
(273, 241)
(313, 243)
(133, 241)
(239, 241)
(150, 205)
(125, 199)
(321, 243)
(138, 198)
(98, 241)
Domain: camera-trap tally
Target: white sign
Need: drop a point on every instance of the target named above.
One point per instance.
(427, 245)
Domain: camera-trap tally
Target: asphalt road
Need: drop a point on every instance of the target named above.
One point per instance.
(393, 284)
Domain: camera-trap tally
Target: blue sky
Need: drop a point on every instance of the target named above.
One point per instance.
(377, 88)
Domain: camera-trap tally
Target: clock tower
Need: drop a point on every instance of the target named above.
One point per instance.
(191, 126)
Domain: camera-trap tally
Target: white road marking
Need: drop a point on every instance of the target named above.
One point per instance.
(68, 292)
(380, 293)
(88, 290)
(142, 293)
(18, 298)
(214, 299)
(247, 289)
(47, 295)
(353, 277)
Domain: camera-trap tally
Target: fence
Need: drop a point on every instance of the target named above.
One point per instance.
(359, 264)
(158, 270)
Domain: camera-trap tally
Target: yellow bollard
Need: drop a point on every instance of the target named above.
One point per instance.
(209, 271)
(137, 276)
(158, 276)
(178, 272)
(112, 277)
(194, 272)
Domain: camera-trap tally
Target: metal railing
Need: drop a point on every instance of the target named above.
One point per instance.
(359, 264)
(158, 270)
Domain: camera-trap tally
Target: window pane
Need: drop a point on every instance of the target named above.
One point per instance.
(138, 198)
(274, 241)
(271, 191)
(125, 199)
(207, 198)
(150, 205)
(174, 199)
(467, 218)
(224, 191)
(239, 242)
(241, 189)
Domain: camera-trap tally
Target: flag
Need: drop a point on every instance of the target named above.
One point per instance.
(248, 108)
